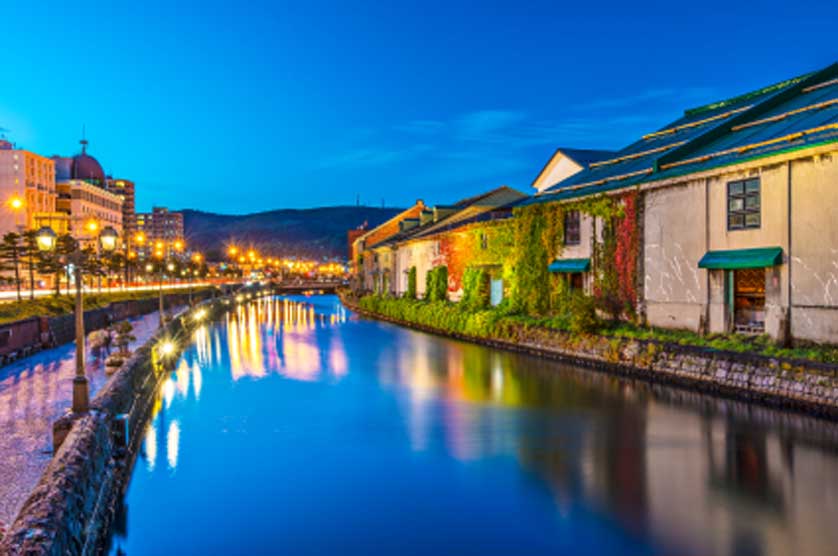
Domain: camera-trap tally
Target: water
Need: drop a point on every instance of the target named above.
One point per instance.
(295, 427)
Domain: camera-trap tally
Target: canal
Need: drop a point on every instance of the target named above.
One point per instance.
(296, 427)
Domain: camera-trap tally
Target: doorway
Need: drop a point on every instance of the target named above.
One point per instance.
(748, 300)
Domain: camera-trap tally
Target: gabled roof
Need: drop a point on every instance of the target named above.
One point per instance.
(405, 214)
(584, 157)
(579, 159)
(798, 112)
(465, 209)
(500, 197)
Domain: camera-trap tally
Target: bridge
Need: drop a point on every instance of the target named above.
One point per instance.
(305, 286)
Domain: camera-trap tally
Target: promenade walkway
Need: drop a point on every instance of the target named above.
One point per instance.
(34, 392)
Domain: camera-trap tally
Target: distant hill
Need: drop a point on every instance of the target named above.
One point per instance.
(314, 233)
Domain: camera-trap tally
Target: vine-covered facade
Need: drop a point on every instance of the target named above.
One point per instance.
(718, 222)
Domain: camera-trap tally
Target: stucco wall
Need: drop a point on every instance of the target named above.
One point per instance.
(814, 248)
(675, 289)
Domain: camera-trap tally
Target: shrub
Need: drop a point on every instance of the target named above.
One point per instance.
(436, 284)
(475, 289)
(411, 283)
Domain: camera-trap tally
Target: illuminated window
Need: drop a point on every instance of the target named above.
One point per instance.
(743, 204)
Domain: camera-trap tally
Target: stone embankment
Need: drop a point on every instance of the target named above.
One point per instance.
(72, 507)
(794, 384)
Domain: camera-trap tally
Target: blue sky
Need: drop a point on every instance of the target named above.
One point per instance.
(245, 106)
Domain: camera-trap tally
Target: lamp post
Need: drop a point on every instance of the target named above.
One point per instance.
(137, 239)
(161, 250)
(46, 240)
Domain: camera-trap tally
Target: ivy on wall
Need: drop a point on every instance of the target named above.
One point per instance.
(475, 288)
(519, 250)
(484, 244)
(539, 238)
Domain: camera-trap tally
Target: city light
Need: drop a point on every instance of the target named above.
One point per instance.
(166, 348)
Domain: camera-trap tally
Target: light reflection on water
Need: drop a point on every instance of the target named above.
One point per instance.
(294, 427)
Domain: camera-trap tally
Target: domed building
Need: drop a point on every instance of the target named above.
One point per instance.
(80, 167)
(84, 195)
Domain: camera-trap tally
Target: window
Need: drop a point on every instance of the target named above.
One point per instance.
(743, 204)
(484, 241)
(571, 228)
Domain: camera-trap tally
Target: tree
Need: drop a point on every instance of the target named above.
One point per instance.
(10, 257)
(55, 261)
(115, 262)
(30, 253)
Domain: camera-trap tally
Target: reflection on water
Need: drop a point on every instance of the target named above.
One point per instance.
(293, 427)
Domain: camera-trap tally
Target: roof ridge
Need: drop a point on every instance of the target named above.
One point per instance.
(749, 95)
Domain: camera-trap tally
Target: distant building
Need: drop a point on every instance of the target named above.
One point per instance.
(90, 208)
(125, 189)
(82, 194)
(351, 236)
(27, 189)
(160, 224)
(367, 266)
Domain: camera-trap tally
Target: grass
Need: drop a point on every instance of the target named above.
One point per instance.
(52, 306)
(488, 323)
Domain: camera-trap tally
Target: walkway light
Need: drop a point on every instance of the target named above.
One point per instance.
(45, 238)
(149, 267)
(108, 239)
(166, 348)
(170, 267)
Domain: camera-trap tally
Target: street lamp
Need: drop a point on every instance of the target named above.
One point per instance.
(161, 249)
(45, 238)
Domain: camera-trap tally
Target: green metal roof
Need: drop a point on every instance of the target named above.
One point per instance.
(570, 265)
(742, 258)
(793, 114)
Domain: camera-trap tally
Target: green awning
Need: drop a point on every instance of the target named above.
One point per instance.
(570, 265)
(742, 258)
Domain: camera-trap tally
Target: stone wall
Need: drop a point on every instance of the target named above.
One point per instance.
(801, 385)
(71, 509)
